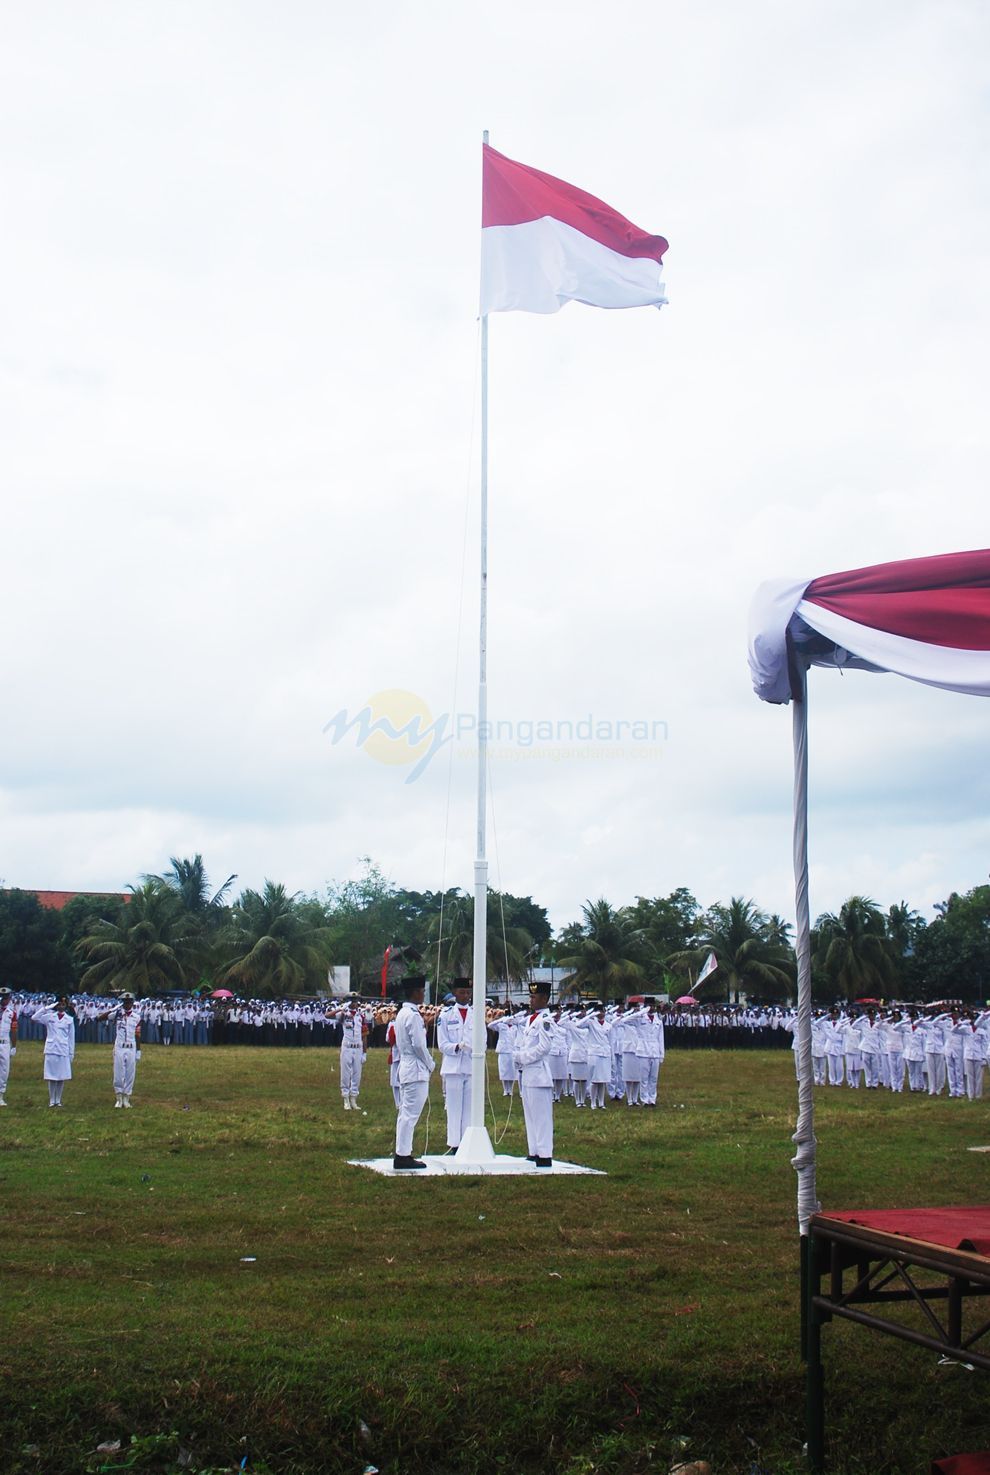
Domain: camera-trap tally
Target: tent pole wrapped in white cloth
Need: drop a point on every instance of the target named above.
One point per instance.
(924, 618)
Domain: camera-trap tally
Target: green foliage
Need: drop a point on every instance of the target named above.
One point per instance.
(32, 953)
(750, 951)
(145, 950)
(450, 939)
(605, 961)
(854, 951)
(273, 946)
(952, 954)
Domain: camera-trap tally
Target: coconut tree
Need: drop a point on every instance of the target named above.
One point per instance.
(853, 948)
(271, 945)
(205, 911)
(604, 961)
(451, 941)
(144, 951)
(748, 948)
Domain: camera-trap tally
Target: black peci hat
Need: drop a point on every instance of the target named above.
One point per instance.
(411, 984)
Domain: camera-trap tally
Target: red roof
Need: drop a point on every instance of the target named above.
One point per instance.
(56, 900)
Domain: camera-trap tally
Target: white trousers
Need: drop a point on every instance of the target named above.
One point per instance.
(648, 1091)
(935, 1064)
(871, 1070)
(457, 1099)
(954, 1071)
(412, 1099)
(973, 1075)
(836, 1065)
(538, 1110)
(4, 1066)
(124, 1067)
(916, 1074)
(854, 1068)
(350, 1069)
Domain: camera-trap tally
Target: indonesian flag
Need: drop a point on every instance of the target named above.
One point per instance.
(544, 243)
(708, 966)
(924, 618)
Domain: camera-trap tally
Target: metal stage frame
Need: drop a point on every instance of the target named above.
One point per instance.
(938, 1285)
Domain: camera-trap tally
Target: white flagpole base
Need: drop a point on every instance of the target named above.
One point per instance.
(476, 1146)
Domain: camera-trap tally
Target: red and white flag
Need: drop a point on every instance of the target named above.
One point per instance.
(544, 243)
(924, 618)
(708, 966)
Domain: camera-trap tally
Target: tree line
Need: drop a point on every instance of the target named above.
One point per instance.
(174, 931)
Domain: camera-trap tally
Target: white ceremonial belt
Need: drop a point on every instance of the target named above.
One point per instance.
(349, 1045)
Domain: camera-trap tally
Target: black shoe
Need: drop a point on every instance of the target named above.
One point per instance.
(403, 1164)
(530, 1158)
(450, 1152)
(543, 1162)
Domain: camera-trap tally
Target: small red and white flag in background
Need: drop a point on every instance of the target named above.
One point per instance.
(544, 243)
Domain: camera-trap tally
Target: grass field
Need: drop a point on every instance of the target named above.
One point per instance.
(573, 1325)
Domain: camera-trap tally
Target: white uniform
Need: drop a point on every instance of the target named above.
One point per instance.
(914, 1055)
(393, 1062)
(352, 1025)
(127, 1030)
(535, 1043)
(454, 1043)
(416, 1065)
(597, 1033)
(60, 1047)
(8, 1034)
(975, 1055)
(503, 1052)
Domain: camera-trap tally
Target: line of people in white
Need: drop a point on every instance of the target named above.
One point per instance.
(884, 1049)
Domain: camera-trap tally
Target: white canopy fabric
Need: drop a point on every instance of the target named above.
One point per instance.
(924, 618)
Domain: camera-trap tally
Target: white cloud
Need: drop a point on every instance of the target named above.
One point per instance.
(238, 383)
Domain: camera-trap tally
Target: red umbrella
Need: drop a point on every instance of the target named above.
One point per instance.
(221, 993)
(686, 999)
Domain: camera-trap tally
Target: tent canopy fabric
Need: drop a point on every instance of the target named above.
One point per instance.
(924, 618)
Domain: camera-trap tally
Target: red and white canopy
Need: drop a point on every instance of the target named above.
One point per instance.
(924, 618)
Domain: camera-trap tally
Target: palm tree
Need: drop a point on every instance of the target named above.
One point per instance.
(144, 951)
(853, 948)
(749, 948)
(204, 909)
(188, 879)
(604, 961)
(507, 951)
(271, 947)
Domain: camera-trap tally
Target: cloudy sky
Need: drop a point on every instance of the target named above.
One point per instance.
(239, 400)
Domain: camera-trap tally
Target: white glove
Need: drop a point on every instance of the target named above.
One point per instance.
(13, 1050)
(137, 1055)
(364, 1059)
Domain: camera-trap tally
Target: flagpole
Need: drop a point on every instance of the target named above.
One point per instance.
(475, 1144)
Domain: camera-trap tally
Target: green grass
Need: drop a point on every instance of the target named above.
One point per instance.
(577, 1325)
